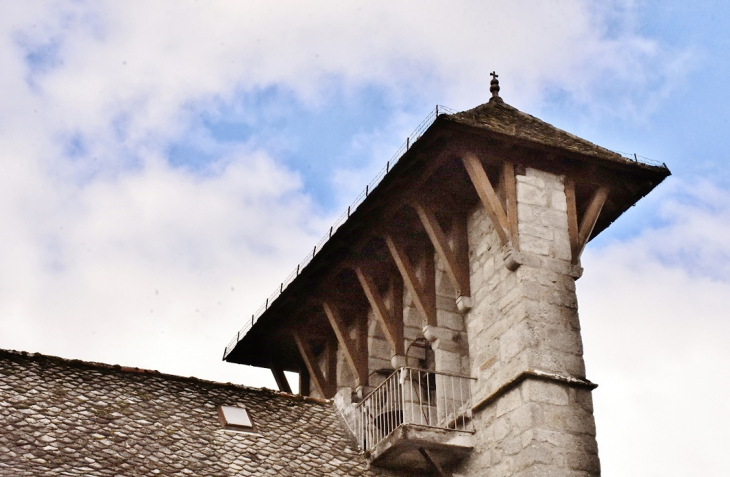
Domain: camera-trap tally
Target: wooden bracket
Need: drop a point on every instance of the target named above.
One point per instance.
(424, 294)
(432, 462)
(479, 179)
(456, 267)
(310, 362)
(281, 382)
(580, 234)
(390, 320)
(353, 355)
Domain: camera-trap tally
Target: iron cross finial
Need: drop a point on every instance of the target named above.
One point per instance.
(494, 86)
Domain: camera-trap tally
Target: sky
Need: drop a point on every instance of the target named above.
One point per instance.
(165, 165)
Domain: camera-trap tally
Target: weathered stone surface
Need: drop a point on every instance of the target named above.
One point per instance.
(522, 321)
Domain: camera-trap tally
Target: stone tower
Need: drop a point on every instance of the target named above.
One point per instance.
(440, 313)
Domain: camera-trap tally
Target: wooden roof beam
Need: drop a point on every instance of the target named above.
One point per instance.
(281, 382)
(353, 355)
(580, 234)
(310, 362)
(480, 180)
(423, 293)
(390, 319)
(456, 268)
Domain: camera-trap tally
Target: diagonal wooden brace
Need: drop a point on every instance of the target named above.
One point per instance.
(423, 295)
(354, 358)
(456, 268)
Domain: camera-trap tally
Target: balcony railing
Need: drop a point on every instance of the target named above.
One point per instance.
(416, 397)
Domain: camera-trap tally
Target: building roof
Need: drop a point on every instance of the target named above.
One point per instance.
(429, 168)
(64, 417)
(499, 117)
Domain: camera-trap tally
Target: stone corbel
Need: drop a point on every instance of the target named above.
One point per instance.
(463, 304)
(512, 259)
(441, 338)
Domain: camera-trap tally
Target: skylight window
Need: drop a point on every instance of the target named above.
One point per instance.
(236, 418)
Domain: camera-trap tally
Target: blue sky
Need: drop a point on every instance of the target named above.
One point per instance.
(163, 172)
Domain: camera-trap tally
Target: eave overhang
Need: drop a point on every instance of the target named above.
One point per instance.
(430, 170)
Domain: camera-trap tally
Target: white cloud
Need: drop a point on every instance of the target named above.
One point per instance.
(655, 321)
(110, 253)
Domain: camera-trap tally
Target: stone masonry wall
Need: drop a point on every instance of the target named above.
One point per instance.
(534, 413)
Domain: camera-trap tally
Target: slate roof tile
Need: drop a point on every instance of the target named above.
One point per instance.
(66, 417)
(499, 117)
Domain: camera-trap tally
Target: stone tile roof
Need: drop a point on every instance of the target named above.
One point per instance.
(63, 417)
(499, 117)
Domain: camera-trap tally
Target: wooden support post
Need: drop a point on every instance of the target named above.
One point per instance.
(353, 355)
(432, 462)
(572, 219)
(304, 381)
(330, 363)
(588, 222)
(311, 364)
(425, 302)
(455, 269)
(486, 193)
(281, 382)
(392, 329)
(509, 185)
(461, 247)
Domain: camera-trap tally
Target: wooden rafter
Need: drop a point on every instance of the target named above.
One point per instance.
(281, 382)
(353, 355)
(423, 294)
(310, 363)
(455, 269)
(479, 179)
(580, 233)
(391, 326)
(591, 216)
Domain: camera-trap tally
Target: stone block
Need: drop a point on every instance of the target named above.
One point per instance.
(502, 428)
(515, 339)
(450, 319)
(412, 318)
(534, 390)
(531, 194)
(447, 362)
(583, 461)
(570, 419)
(529, 416)
(508, 402)
(535, 230)
(582, 398)
(557, 200)
(535, 454)
(563, 339)
(554, 218)
(379, 348)
(512, 445)
(533, 177)
(531, 244)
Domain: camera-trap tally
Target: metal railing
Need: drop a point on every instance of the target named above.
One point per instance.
(338, 223)
(640, 159)
(417, 397)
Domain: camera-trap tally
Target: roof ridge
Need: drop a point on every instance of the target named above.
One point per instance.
(130, 370)
(501, 125)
